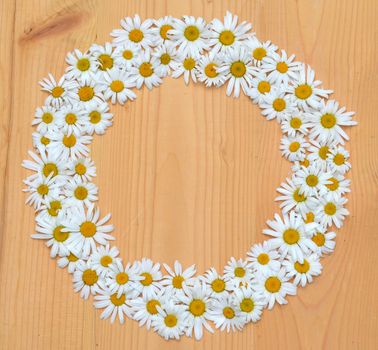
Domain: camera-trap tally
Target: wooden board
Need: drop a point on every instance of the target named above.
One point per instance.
(189, 174)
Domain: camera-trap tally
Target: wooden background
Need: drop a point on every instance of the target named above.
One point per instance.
(189, 174)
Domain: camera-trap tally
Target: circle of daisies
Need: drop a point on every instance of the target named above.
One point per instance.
(173, 301)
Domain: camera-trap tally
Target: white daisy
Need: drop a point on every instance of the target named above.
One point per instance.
(249, 303)
(339, 184)
(150, 283)
(41, 140)
(331, 210)
(125, 55)
(81, 193)
(259, 50)
(325, 241)
(162, 27)
(80, 65)
(165, 57)
(86, 280)
(296, 122)
(185, 66)
(263, 257)
(45, 119)
(53, 207)
(293, 148)
(71, 120)
(88, 90)
(237, 272)
(208, 70)
(260, 87)
(276, 104)
(178, 280)
(102, 258)
(337, 160)
(71, 261)
(319, 151)
(103, 55)
(98, 118)
(216, 284)
(303, 273)
(82, 169)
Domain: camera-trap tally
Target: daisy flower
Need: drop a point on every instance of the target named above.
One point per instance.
(237, 272)
(275, 286)
(260, 87)
(98, 118)
(325, 241)
(81, 193)
(102, 258)
(294, 123)
(86, 280)
(134, 31)
(197, 303)
(103, 55)
(114, 305)
(208, 70)
(80, 65)
(248, 303)
(337, 160)
(305, 90)
(162, 28)
(52, 230)
(291, 235)
(303, 273)
(165, 57)
(280, 68)
(263, 257)
(339, 184)
(53, 207)
(71, 120)
(178, 280)
(276, 104)
(227, 34)
(87, 229)
(41, 140)
(189, 35)
(170, 322)
(331, 210)
(45, 119)
(122, 279)
(238, 70)
(319, 151)
(125, 55)
(116, 86)
(185, 66)
(216, 284)
(59, 92)
(293, 148)
(88, 90)
(82, 170)
(259, 50)
(145, 71)
(71, 261)
(150, 274)
(225, 315)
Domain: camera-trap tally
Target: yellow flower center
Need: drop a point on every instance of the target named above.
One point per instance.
(127, 54)
(83, 64)
(312, 180)
(90, 277)
(247, 305)
(238, 69)
(81, 193)
(49, 168)
(117, 86)
(291, 236)
(211, 70)
(334, 185)
(189, 63)
(177, 282)
(302, 268)
(72, 258)
(55, 206)
(106, 260)
(88, 229)
(122, 278)
(323, 152)
(218, 285)
(86, 93)
(319, 239)
(263, 87)
(45, 140)
(117, 301)
(47, 118)
(165, 58)
(273, 284)
(303, 91)
(279, 104)
(339, 159)
(136, 35)
(263, 258)
(147, 279)
(59, 235)
(80, 169)
(282, 67)
(69, 141)
(106, 61)
(71, 118)
(151, 306)
(310, 217)
(57, 91)
(191, 33)
(145, 69)
(239, 272)
(227, 37)
(298, 197)
(170, 320)
(295, 123)
(330, 208)
(197, 307)
(228, 312)
(94, 117)
(164, 31)
(328, 120)
(294, 146)
(259, 53)
(43, 189)
(305, 162)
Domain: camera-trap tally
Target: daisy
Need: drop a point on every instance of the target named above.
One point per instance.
(80, 65)
(41, 140)
(303, 273)
(208, 70)
(149, 284)
(280, 68)
(165, 57)
(292, 198)
(134, 31)
(177, 280)
(263, 257)
(163, 26)
(145, 71)
(238, 70)
(331, 210)
(259, 50)
(88, 90)
(189, 35)
(248, 303)
(125, 55)
(291, 235)
(102, 258)
(59, 92)
(319, 151)
(276, 104)
(86, 280)
(305, 90)
(237, 272)
(339, 184)
(122, 279)
(71, 261)
(225, 315)
(337, 160)
(98, 118)
(103, 55)
(216, 284)
(197, 303)
(275, 286)
(293, 148)
(328, 120)
(227, 34)
(116, 86)
(294, 123)
(82, 169)
(185, 66)
(260, 87)
(52, 230)
(87, 229)
(71, 120)
(114, 305)
(170, 321)
(81, 193)
(53, 207)
(325, 241)
(45, 119)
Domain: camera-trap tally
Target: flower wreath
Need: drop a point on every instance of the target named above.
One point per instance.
(62, 193)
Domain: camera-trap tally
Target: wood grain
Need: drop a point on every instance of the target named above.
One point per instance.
(189, 174)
